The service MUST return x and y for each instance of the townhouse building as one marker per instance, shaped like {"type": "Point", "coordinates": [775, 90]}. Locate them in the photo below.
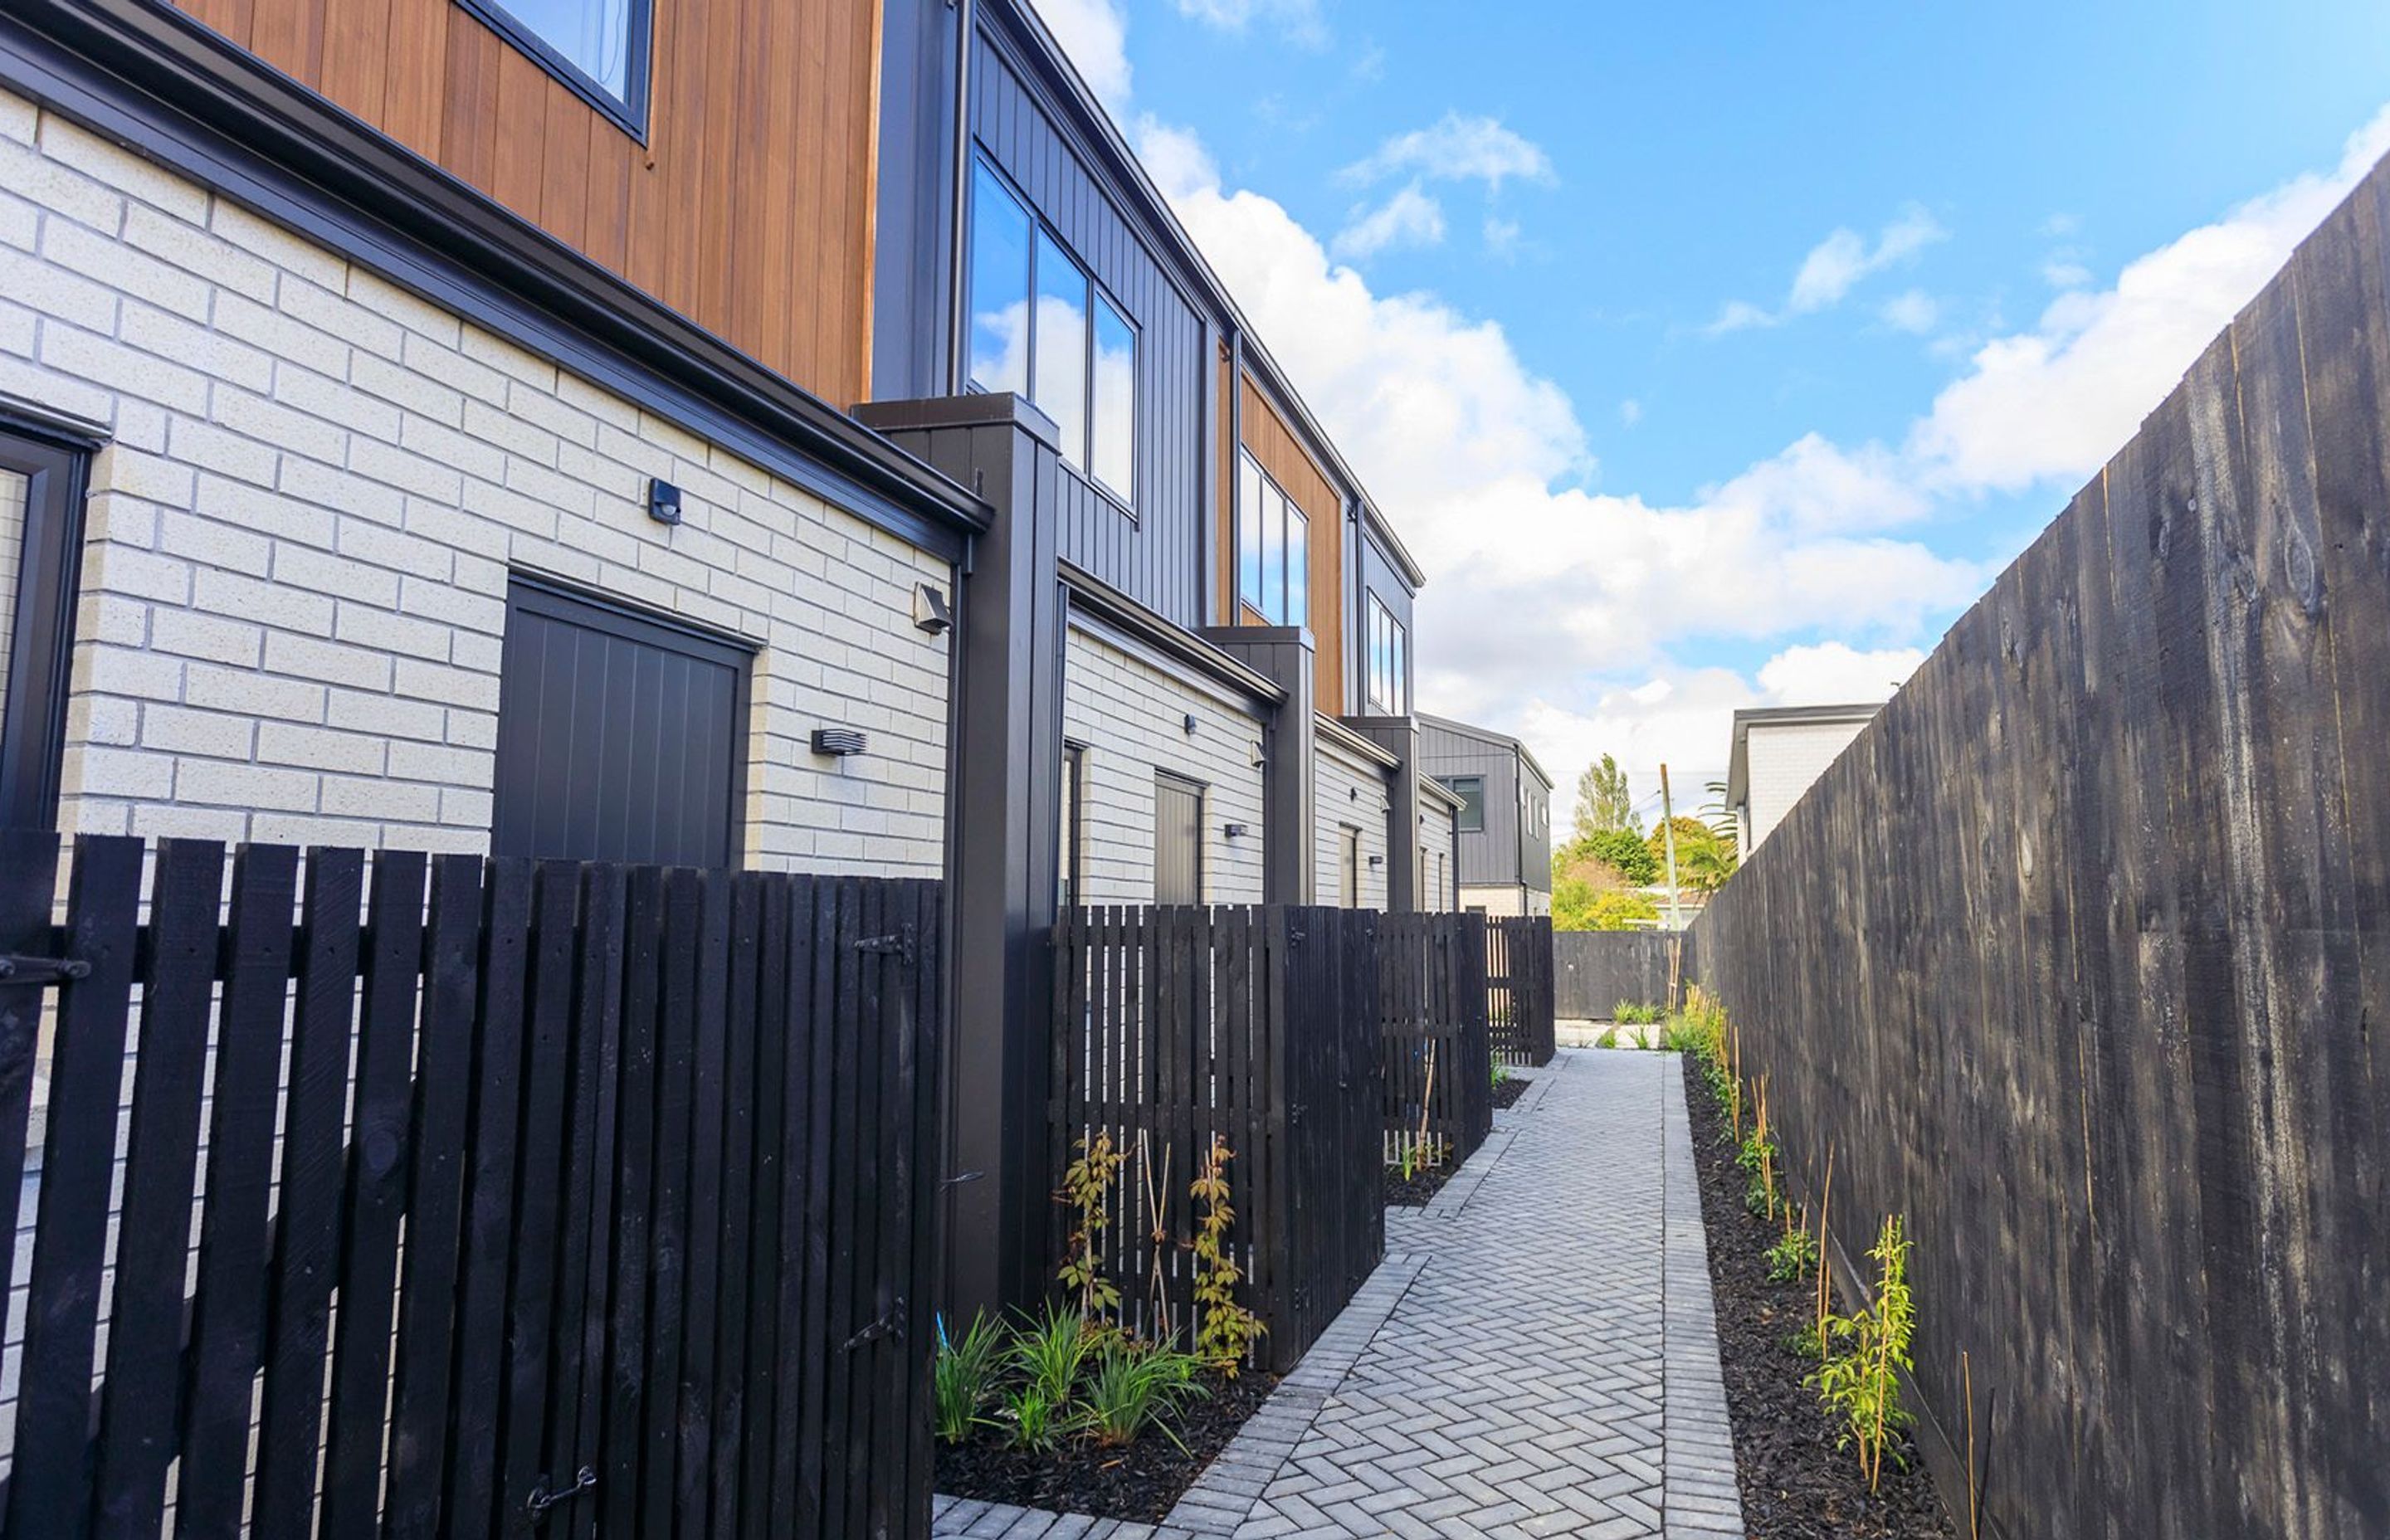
{"type": "Point", "coordinates": [1504, 819]}
{"type": "Point", "coordinates": [790, 435]}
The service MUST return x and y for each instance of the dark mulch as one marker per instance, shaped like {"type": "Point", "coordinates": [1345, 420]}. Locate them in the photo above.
{"type": "Point", "coordinates": [1424, 1184]}
{"type": "Point", "coordinates": [1510, 1090]}
{"type": "Point", "coordinates": [1797, 1485]}
{"type": "Point", "coordinates": [1140, 1482]}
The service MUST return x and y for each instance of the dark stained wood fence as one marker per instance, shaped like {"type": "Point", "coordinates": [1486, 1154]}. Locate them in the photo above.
{"type": "Point", "coordinates": [551, 1198]}
{"type": "Point", "coordinates": [1594, 971]}
{"type": "Point", "coordinates": [2080, 956]}
{"type": "Point", "coordinates": [1519, 981]}
{"type": "Point", "coordinates": [1439, 1064]}
{"type": "Point", "coordinates": [1258, 1024]}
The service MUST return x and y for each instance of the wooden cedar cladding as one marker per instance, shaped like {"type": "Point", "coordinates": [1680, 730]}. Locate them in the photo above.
{"type": "Point", "coordinates": [749, 210]}
{"type": "Point", "coordinates": [1276, 449]}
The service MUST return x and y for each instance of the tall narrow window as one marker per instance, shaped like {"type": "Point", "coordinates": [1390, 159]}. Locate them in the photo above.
{"type": "Point", "coordinates": [1057, 356]}
{"type": "Point", "coordinates": [1274, 551]}
{"type": "Point", "coordinates": [596, 49]}
{"type": "Point", "coordinates": [1388, 684]}
{"type": "Point", "coordinates": [41, 516]}
{"type": "Point", "coordinates": [999, 286]}
{"type": "Point", "coordinates": [1249, 531]}
{"type": "Point", "coordinates": [1112, 451]}
{"type": "Point", "coordinates": [1075, 769]}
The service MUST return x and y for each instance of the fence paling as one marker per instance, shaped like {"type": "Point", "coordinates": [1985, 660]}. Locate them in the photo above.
{"type": "Point", "coordinates": [653, 1141]}
{"type": "Point", "coordinates": [1438, 1102]}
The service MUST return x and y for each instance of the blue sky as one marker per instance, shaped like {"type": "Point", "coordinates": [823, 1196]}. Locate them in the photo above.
{"type": "Point", "coordinates": [1718, 355]}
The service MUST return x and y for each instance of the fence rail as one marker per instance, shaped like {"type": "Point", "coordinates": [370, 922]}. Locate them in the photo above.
{"type": "Point", "coordinates": [583, 1196]}
{"type": "Point", "coordinates": [1438, 1059]}
{"type": "Point", "coordinates": [1519, 980]}
{"type": "Point", "coordinates": [1258, 1025]}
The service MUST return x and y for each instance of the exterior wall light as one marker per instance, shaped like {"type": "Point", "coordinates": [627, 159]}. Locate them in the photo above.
{"type": "Point", "coordinates": [931, 611]}
{"type": "Point", "coordinates": [1235, 832]}
{"type": "Point", "coordinates": [1190, 724]}
{"type": "Point", "coordinates": [838, 742]}
{"type": "Point", "coordinates": [1377, 861]}
{"type": "Point", "coordinates": [663, 502]}
{"type": "Point", "coordinates": [1261, 755]}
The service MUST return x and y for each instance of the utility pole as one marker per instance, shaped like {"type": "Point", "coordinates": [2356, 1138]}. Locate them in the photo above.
{"type": "Point", "coordinates": [1668, 828]}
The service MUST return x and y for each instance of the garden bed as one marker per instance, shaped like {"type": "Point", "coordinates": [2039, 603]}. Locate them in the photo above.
{"type": "Point", "coordinates": [1140, 1482]}
{"type": "Point", "coordinates": [1413, 1192]}
{"type": "Point", "coordinates": [1795, 1484]}
{"type": "Point", "coordinates": [1508, 1091]}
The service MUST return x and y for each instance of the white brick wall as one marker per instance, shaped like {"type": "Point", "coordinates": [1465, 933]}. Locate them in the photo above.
{"type": "Point", "coordinates": [1130, 718]}
{"type": "Point", "coordinates": [1783, 762]}
{"type": "Point", "coordinates": [1499, 900]}
{"type": "Point", "coordinates": [13, 488]}
{"type": "Point", "coordinates": [1438, 878]}
{"type": "Point", "coordinates": [300, 534]}
{"type": "Point", "coordinates": [1340, 775]}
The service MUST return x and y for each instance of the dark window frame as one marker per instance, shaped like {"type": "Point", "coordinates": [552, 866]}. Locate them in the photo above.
{"type": "Point", "coordinates": [566, 603]}
{"type": "Point", "coordinates": [1071, 831]}
{"type": "Point", "coordinates": [630, 114]}
{"type": "Point", "coordinates": [1122, 498]}
{"type": "Point", "coordinates": [57, 469]}
{"type": "Point", "coordinates": [1460, 817]}
{"type": "Point", "coordinates": [1395, 701]}
{"type": "Point", "coordinates": [1291, 515]}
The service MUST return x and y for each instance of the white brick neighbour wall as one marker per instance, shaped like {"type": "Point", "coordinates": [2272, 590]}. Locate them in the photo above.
{"type": "Point", "coordinates": [1784, 761]}
{"type": "Point", "coordinates": [1130, 716]}
{"type": "Point", "coordinates": [1499, 900]}
{"type": "Point", "coordinates": [1339, 775]}
{"type": "Point", "coordinates": [300, 534]}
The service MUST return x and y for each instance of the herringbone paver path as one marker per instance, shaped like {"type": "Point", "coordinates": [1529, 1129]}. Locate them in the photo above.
{"type": "Point", "coordinates": [1536, 1357]}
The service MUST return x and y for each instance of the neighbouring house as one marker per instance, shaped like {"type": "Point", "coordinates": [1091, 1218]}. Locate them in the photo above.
{"type": "Point", "coordinates": [1506, 816]}
{"type": "Point", "coordinates": [800, 438]}
{"type": "Point", "coordinates": [1780, 751]}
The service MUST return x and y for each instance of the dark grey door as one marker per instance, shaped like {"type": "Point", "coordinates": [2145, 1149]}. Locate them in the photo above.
{"type": "Point", "coordinates": [1177, 841]}
{"type": "Point", "coordinates": [622, 736]}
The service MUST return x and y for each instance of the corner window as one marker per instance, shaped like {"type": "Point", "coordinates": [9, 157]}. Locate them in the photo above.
{"type": "Point", "coordinates": [597, 47]}
{"type": "Point", "coordinates": [1470, 789]}
{"type": "Point", "coordinates": [41, 535]}
{"type": "Point", "coordinates": [1389, 690]}
{"type": "Point", "coordinates": [1040, 328]}
{"type": "Point", "coordinates": [1273, 549]}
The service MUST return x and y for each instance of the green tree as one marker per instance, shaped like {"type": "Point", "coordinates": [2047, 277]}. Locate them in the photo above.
{"type": "Point", "coordinates": [1705, 856]}
{"type": "Point", "coordinates": [1603, 802]}
{"type": "Point", "coordinates": [1577, 906]}
{"type": "Point", "coordinates": [1623, 851]}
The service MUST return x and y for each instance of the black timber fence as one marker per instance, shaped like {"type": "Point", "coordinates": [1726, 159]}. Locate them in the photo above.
{"type": "Point", "coordinates": [1597, 971]}
{"type": "Point", "coordinates": [463, 1198]}
{"type": "Point", "coordinates": [1434, 1003]}
{"type": "Point", "coordinates": [2079, 957]}
{"type": "Point", "coordinates": [1519, 981]}
{"type": "Point", "coordinates": [1259, 1025]}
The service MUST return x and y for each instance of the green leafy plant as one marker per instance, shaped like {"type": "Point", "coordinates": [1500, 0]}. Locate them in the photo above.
{"type": "Point", "coordinates": [1501, 1073]}
{"type": "Point", "coordinates": [1086, 1189]}
{"type": "Point", "coordinates": [1047, 1353]}
{"type": "Point", "coordinates": [1225, 1331]}
{"type": "Point", "coordinates": [1859, 1383]}
{"type": "Point", "coordinates": [1636, 1013]}
{"type": "Point", "coordinates": [964, 1376]}
{"type": "Point", "coordinates": [1609, 1039]}
{"type": "Point", "coordinates": [1134, 1386]}
{"type": "Point", "coordinates": [1793, 1255]}
{"type": "Point", "coordinates": [1035, 1419]}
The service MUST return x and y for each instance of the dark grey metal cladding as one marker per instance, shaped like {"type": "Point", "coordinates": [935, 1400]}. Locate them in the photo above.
{"type": "Point", "coordinates": [1490, 856]}
{"type": "Point", "coordinates": [622, 736]}
{"type": "Point", "coordinates": [1290, 776]}
{"type": "Point", "coordinates": [911, 327]}
{"type": "Point", "coordinates": [1004, 797]}
{"type": "Point", "coordinates": [1154, 554]}
{"type": "Point", "coordinates": [1381, 575]}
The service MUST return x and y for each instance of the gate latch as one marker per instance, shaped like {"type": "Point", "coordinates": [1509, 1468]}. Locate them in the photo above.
{"type": "Point", "coordinates": [541, 1499]}
{"type": "Point", "coordinates": [900, 945]}
{"type": "Point", "coordinates": [39, 973]}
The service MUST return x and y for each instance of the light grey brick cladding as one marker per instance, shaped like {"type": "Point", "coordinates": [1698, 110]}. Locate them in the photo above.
{"type": "Point", "coordinates": [299, 533]}
{"type": "Point", "coordinates": [1352, 795]}
{"type": "Point", "coordinates": [1130, 717]}
{"type": "Point", "coordinates": [1437, 889]}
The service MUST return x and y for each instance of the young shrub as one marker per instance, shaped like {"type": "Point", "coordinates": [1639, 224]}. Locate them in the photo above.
{"type": "Point", "coordinates": [1501, 1073]}
{"type": "Point", "coordinates": [964, 1375]}
{"type": "Point", "coordinates": [1047, 1353]}
{"type": "Point", "coordinates": [1034, 1421]}
{"type": "Point", "coordinates": [1860, 1383]}
{"type": "Point", "coordinates": [1609, 1039]}
{"type": "Point", "coordinates": [1086, 1189]}
{"type": "Point", "coordinates": [1791, 1257]}
{"type": "Point", "coordinates": [1134, 1386]}
{"type": "Point", "coordinates": [1225, 1332]}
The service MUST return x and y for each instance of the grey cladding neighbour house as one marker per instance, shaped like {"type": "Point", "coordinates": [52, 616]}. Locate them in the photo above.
{"type": "Point", "coordinates": [1512, 849]}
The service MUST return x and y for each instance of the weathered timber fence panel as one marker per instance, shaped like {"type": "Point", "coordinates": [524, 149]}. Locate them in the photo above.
{"type": "Point", "coordinates": [551, 1199]}
{"type": "Point", "coordinates": [1519, 981]}
{"type": "Point", "coordinates": [2080, 956]}
{"type": "Point", "coordinates": [1597, 969]}
{"type": "Point", "coordinates": [1260, 1026]}
{"type": "Point", "coordinates": [1439, 1064]}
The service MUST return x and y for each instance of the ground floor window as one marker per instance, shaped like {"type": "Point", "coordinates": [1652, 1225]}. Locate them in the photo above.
{"type": "Point", "coordinates": [41, 535]}
{"type": "Point", "coordinates": [1177, 839]}
{"type": "Point", "coordinates": [621, 734]}
{"type": "Point", "coordinates": [1075, 769]}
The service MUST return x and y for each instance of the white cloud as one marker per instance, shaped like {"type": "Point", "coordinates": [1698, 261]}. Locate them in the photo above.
{"type": "Point", "coordinates": [1501, 238]}
{"type": "Point", "coordinates": [1831, 673]}
{"type": "Point", "coordinates": [1457, 149]}
{"type": "Point", "coordinates": [1914, 312]}
{"type": "Point", "coordinates": [1833, 267]}
{"type": "Point", "coordinates": [1298, 19]}
{"type": "Point", "coordinates": [1630, 411]}
{"type": "Point", "coordinates": [1094, 34]}
{"type": "Point", "coordinates": [1410, 218]}
{"type": "Point", "coordinates": [2062, 272]}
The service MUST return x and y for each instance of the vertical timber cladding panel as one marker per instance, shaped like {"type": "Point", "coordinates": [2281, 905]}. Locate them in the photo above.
{"type": "Point", "coordinates": [748, 207]}
{"type": "Point", "coordinates": [2075, 958]}
{"type": "Point", "coordinates": [1154, 552]}
{"type": "Point", "coordinates": [1279, 452]}
{"type": "Point", "coordinates": [1594, 970]}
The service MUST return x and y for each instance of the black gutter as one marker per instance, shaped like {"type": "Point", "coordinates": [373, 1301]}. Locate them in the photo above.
{"type": "Point", "coordinates": [175, 93]}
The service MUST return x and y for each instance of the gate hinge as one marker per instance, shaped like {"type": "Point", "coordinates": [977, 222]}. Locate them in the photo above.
{"type": "Point", "coordinates": [535, 1506]}
{"type": "Point", "coordinates": [41, 972]}
{"type": "Point", "coordinates": [891, 1324]}
{"type": "Point", "coordinates": [900, 944]}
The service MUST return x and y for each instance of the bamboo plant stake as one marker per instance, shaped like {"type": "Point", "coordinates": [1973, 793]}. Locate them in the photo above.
{"type": "Point", "coordinates": [1967, 1374]}
{"type": "Point", "coordinates": [1427, 1102]}
{"type": "Point", "coordinates": [1825, 1207]}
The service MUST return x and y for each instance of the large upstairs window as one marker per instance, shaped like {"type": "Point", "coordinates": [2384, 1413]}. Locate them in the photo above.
{"type": "Point", "coordinates": [599, 48]}
{"type": "Point", "coordinates": [1040, 328]}
{"type": "Point", "coordinates": [1273, 549]}
{"type": "Point", "coordinates": [1470, 789]}
{"type": "Point", "coordinates": [1389, 677]}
